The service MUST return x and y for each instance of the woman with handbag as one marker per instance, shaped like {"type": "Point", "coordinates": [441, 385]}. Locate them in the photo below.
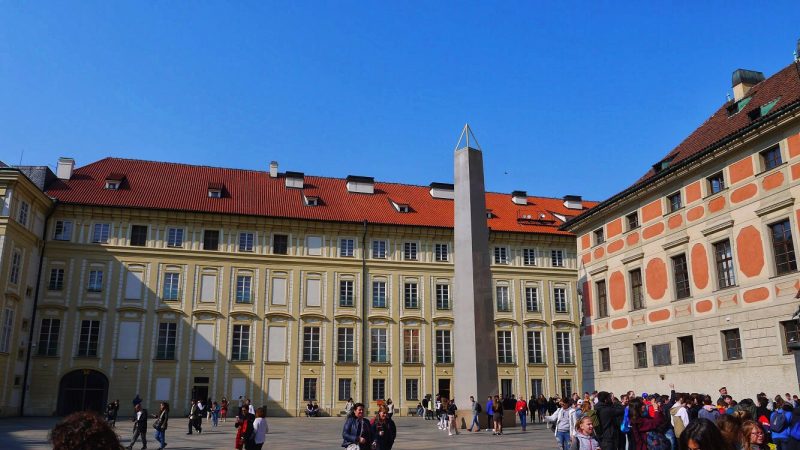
{"type": "Point", "coordinates": [384, 430]}
{"type": "Point", "coordinates": [244, 424]}
{"type": "Point", "coordinates": [161, 424]}
{"type": "Point", "coordinates": [357, 432]}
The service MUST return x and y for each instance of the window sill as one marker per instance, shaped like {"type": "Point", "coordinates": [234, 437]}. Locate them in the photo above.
{"type": "Point", "coordinates": [57, 356]}
{"type": "Point", "coordinates": [166, 360]}
{"type": "Point", "coordinates": [86, 357]}
{"type": "Point", "coordinates": [541, 364]}
{"type": "Point", "coordinates": [313, 362]}
{"type": "Point", "coordinates": [280, 363]}
{"type": "Point", "coordinates": [716, 194]}
{"type": "Point", "coordinates": [670, 213]}
{"type": "Point", "coordinates": [346, 363]}
{"type": "Point", "coordinates": [726, 288]}
{"type": "Point", "coordinates": [791, 272]}
{"type": "Point", "coordinates": [206, 361]}
{"type": "Point", "coordinates": [506, 364]}
{"type": "Point", "coordinates": [125, 359]}
{"type": "Point", "coordinates": [380, 363]}
{"type": "Point", "coordinates": [241, 361]}
{"type": "Point", "coordinates": [438, 364]}
{"type": "Point", "coordinates": [766, 171]}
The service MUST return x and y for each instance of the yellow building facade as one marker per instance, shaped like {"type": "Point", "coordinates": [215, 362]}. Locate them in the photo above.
{"type": "Point", "coordinates": [175, 303]}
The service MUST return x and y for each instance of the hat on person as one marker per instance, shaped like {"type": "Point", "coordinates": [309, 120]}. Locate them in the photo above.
{"type": "Point", "coordinates": [644, 394]}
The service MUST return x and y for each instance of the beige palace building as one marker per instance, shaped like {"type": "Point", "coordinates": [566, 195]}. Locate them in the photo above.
{"type": "Point", "coordinates": [691, 273]}
{"type": "Point", "coordinates": [175, 281]}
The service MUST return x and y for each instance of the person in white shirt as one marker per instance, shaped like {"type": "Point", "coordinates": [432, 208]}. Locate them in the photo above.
{"type": "Point", "coordinates": [260, 430]}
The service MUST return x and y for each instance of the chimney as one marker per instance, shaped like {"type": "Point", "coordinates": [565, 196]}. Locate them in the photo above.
{"type": "Point", "coordinates": [64, 168]}
{"type": "Point", "coordinates": [273, 169]}
{"type": "Point", "coordinates": [573, 202]}
{"type": "Point", "coordinates": [519, 197]}
{"type": "Point", "coordinates": [743, 80]}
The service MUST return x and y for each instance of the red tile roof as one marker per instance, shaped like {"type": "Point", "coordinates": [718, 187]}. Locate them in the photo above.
{"type": "Point", "coordinates": [171, 186]}
{"type": "Point", "coordinates": [784, 85]}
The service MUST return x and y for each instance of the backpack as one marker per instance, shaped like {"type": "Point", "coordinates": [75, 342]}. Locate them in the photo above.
{"type": "Point", "coordinates": [477, 407]}
{"type": "Point", "coordinates": [657, 441]}
{"type": "Point", "coordinates": [777, 422]}
{"type": "Point", "coordinates": [625, 426]}
{"type": "Point", "coordinates": [592, 414]}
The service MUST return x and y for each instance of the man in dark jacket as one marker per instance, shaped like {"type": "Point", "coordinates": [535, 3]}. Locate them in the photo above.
{"type": "Point", "coordinates": [609, 415]}
{"type": "Point", "coordinates": [139, 426]}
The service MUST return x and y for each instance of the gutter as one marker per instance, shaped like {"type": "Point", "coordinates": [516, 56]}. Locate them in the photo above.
{"type": "Point", "coordinates": [35, 306]}
{"type": "Point", "coordinates": [364, 363]}
{"type": "Point", "coordinates": [570, 224]}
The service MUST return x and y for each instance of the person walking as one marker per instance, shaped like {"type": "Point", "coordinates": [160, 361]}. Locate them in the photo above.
{"type": "Point", "coordinates": [215, 412]}
{"type": "Point", "coordinates": [195, 417]}
{"type": "Point", "coordinates": [139, 426]}
{"type": "Point", "coordinates": [111, 415]}
{"type": "Point", "coordinates": [348, 407]}
{"type": "Point", "coordinates": [497, 416]}
{"type": "Point", "coordinates": [390, 407]}
{"type": "Point", "coordinates": [161, 425]}
{"type": "Point", "coordinates": [260, 429]}
{"type": "Point", "coordinates": [357, 432]}
{"type": "Point", "coordinates": [476, 409]}
{"type": "Point", "coordinates": [384, 430]}
{"type": "Point", "coordinates": [244, 427]}
{"type": "Point", "coordinates": [522, 411]}
{"type": "Point", "coordinates": [223, 409]}
{"type": "Point", "coordinates": [563, 421]}
{"type": "Point", "coordinates": [452, 427]}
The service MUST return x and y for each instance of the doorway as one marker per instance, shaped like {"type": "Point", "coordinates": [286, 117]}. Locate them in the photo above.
{"type": "Point", "coordinates": [444, 387]}
{"type": "Point", "coordinates": [82, 390]}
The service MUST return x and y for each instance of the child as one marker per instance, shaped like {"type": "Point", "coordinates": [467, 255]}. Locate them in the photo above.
{"type": "Point", "coordinates": [215, 414]}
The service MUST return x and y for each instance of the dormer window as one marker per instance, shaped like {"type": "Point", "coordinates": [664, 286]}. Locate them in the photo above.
{"type": "Point", "coordinates": [294, 180]}
{"type": "Point", "coordinates": [112, 184]}
{"type": "Point", "coordinates": [114, 181]}
{"type": "Point", "coordinates": [489, 214]}
{"type": "Point", "coordinates": [215, 190]}
{"type": "Point", "coordinates": [400, 206]}
{"type": "Point", "coordinates": [311, 200]}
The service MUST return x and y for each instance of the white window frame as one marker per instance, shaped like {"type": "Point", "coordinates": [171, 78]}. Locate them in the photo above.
{"type": "Point", "coordinates": [101, 233]}
{"type": "Point", "coordinates": [347, 247]}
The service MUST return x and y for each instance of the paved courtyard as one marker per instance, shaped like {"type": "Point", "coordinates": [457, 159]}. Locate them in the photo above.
{"type": "Point", "coordinates": [290, 433]}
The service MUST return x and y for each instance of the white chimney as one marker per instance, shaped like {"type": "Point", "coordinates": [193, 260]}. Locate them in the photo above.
{"type": "Point", "coordinates": [743, 80]}
{"type": "Point", "coordinates": [64, 168]}
{"type": "Point", "coordinates": [273, 169]}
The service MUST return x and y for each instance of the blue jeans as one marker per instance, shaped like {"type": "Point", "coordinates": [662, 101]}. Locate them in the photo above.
{"type": "Point", "coordinates": [522, 419]}
{"type": "Point", "coordinates": [670, 434]}
{"type": "Point", "coordinates": [161, 437]}
{"type": "Point", "coordinates": [475, 422]}
{"type": "Point", "coordinates": [563, 439]}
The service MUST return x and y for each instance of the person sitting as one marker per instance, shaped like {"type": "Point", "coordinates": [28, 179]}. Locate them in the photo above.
{"type": "Point", "coordinates": [310, 409]}
{"type": "Point", "coordinates": [315, 410]}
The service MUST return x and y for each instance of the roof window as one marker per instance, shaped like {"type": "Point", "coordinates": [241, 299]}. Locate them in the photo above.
{"type": "Point", "coordinates": [400, 206]}
{"type": "Point", "coordinates": [294, 180]}
{"type": "Point", "coordinates": [736, 107]}
{"type": "Point", "coordinates": [442, 190]}
{"type": "Point", "coordinates": [114, 181]}
{"type": "Point", "coordinates": [763, 110]}
{"type": "Point", "coordinates": [215, 190]}
{"type": "Point", "coordinates": [519, 197]}
{"type": "Point", "coordinates": [489, 214]}
{"type": "Point", "coordinates": [311, 200]}
{"type": "Point", "coordinates": [663, 164]}
{"type": "Point", "coordinates": [360, 185]}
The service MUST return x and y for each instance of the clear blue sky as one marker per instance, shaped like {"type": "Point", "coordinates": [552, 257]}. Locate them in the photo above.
{"type": "Point", "coordinates": [564, 97]}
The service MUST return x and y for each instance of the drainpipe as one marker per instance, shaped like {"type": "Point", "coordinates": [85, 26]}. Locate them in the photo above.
{"type": "Point", "coordinates": [33, 313]}
{"type": "Point", "coordinates": [364, 337]}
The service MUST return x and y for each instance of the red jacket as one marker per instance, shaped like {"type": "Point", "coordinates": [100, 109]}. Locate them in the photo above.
{"type": "Point", "coordinates": [522, 405]}
{"type": "Point", "coordinates": [645, 424]}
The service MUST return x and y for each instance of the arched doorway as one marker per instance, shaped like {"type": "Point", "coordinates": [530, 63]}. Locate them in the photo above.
{"type": "Point", "coordinates": [82, 390]}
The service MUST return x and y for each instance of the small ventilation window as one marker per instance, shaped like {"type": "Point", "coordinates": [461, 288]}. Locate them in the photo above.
{"type": "Point", "coordinates": [736, 107]}
{"type": "Point", "coordinates": [215, 190]}
{"type": "Point", "coordinates": [114, 181]}
{"type": "Point", "coordinates": [400, 206]}
{"type": "Point", "coordinates": [663, 164]}
{"type": "Point", "coordinates": [214, 193]}
{"type": "Point", "coordinates": [112, 184]}
{"type": "Point", "coordinates": [763, 110]}
{"type": "Point", "coordinates": [311, 200]}
{"type": "Point", "coordinates": [489, 214]}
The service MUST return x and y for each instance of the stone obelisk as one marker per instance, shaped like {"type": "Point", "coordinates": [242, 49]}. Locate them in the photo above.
{"type": "Point", "coordinates": [475, 349]}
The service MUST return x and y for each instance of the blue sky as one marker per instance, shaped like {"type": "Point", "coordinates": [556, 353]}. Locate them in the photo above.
{"type": "Point", "coordinates": [564, 97]}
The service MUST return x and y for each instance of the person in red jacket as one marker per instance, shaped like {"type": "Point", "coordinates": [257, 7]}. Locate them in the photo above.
{"type": "Point", "coordinates": [522, 411]}
{"type": "Point", "coordinates": [642, 424]}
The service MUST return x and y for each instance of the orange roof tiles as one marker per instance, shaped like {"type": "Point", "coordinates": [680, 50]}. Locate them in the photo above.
{"type": "Point", "coordinates": [182, 187]}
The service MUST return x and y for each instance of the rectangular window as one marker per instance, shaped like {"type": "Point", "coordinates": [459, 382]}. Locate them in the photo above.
{"type": "Point", "coordinates": [662, 355]}
{"type": "Point", "coordinates": [532, 299]}
{"type": "Point", "coordinates": [557, 258]}
{"type": "Point", "coordinates": [89, 337]}
{"type": "Point", "coordinates": [681, 273]}
{"type": "Point", "coordinates": [314, 245]}
{"type": "Point", "coordinates": [783, 247]}
{"type": "Point", "coordinates": [63, 230]}
{"type": "Point", "coordinates": [379, 249]}
{"type": "Point", "coordinates": [724, 260]}
{"type": "Point", "coordinates": [16, 263]}
{"type": "Point", "coordinates": [412, 389]}
{"type": "Point", "coordinates": [56, 282]}
{"type": "Point", "coordinates": [95, 281]}
{"type": "Point", "coordinates": [241, 343]}
{"type": "Point", "coordinates": [48, 337]}
{"type": "Point", "coordinates": [211, 240]}
{"type": "Point", "coordinates": [599, 236]}
{"type": "Point", "coordinates": [411, 346]}
{"type": "Point", "coordinates": [500, 255]}
{"type": "Point", "coordinates": [280, 244]}
{"type": "Point", "coordinates": [379, 294]}
{"type": "Point", "coordinates": [686, 349]}
{"type": "Point", "coordinates": [564, 347]}
{"type": "Point", "coordinates": [244, 284]}
{"type": "Point", "coordinates": [505, 352]}
{"type": "Point", "coordinates": [175, 237]}
{"type": "Point", "coordinates": [640, 355]}
{"type": "Point", "coordinates": [410, 296]}
{"type": "Point", "coordinates": [602, 299]}
{"type": "Point", "coordinates": [167, 336]}
{"type": "Point", "coordinates": [506, 387]}
{"type": "Point", "coordinates": [346, 248]}
{"type": "Point", "coordinates": [246, 242]}
{"type": "Point", "coordinates": [674, 202]}
{"type": "Point", "coordinates": [378, 345]}
{"type": "Point", "coordinates": [441, 252]}
{"type": "Point", "coordinates": [503, 301]}
{"type": "Point", "coordinates": [310, 389]}
{"type": "Point", "coordinates": [8, 328]}
{"type": "Point", "coordinates": [560, 300]}
{"type": "Point", "coordinates": [378, 389]}
{"type": "Point", "coordinates": [732, 344]}
{"type": "Point", "coordinates": [537, 387]}
{"type": "Point", "coordinates": [605, 360]}
{"type": "Point", "coordinates": [771, 158]}
{"type": "Point", "coordinates": [311, 344]}
{"type": "Point", "coordinates": [171, 288]}
{"type": "Point", "coordinates": [566, 388]}
{"type": "Point", "coordinates": [410, 251]}
{"type": "Point", "coordinates": [444, 347]}
{"type": "Point", "coordinates": [443, 296]}
{"type": "Point", "coordinates": [346, 293]}
{"type": "Point", "coordinates": [345, 389]}
{"type": "Point", "coordinates": [345, 345]}
{"type": "Point", "coordinates": [138, 235]}
{"type": "Point", "coordinates": [100, 233]}
{"type": "Point", "coordinates": [637, 297]}
{"type": "Point", "coordinates": [633, 220]}
{"type": "Point", "coordinates": [791, 334]}
{"type": "Point", "coordinates": [716, 183]}
{"type": "Point", "coordinates": [535, 347]}
{"type": "Point", "coordinates": [24, 208]}
{"type": "Point", "coordinates": [529, 256]}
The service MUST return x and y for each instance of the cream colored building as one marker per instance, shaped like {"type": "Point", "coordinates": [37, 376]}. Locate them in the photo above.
{"type": "Point", "coordinates": [691, 273]}
{"type": "Point", "coordinates": [175, 281]}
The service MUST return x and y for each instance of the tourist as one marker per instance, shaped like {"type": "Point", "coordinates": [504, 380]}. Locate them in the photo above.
{"type": "Point", "coordinates": [357, 431]}
{"type": "Point", "coordinates": [490, 414]}
{"type": "Point", "coordinates": [260, 429]}
{"type": "Point", "coordinates": [532, 407]}
{"type": "Point", "coordinates": [584, 436]}
{"type": "Point", "coordinates": [223, 409]}
{"type": "Point", "coordinates": [753, 436]}
{"type": "Point", "coordinates": [244, 427]}
{"type": "Point", "coordinates": [139, 425]}
{"type": "Point", "coordinates": [780, 435]}
{"type": "Point", "coordinates": [196, 417]}
{"type": "Point", "coordinates": [111, 415]}
{"type": "Point", "coordinates": [497, 416]}
{"type": "Point", "coordinates": [452, 426]}
{"type": "Point", "coordinates": [563, 421]}
{"type": "Point", "coordinates": [348, 407]}
{"type": "Point", "coordinates": [476, 409]}
{"type": "Point", "coordinates": [85, 431]}
{"type": "Point", "coordinates": [441, 413]}
{"type": "Point", "coordinates": [541, 407]}
{"type": "Point", "coordinates": [215, 412]}
{"type": "Point", "coordinates": [730, 427]}
{"type": "Point", "coordinates": [160, 424]}
{"type": "Point", "coordinates": [384, 430]}
{"type": "Point", "coordinates": [703, 435]}
{"type": "Point", "coordinates": [425, 406]}
{"type": "Point", "coordinates": [609, 416]}
{"type": "Point", "coordinates": [390, 407]}
{"type": "Point", "coordinates": [521, 408]}
{"type": "Point", "coordinates": [645, 427]}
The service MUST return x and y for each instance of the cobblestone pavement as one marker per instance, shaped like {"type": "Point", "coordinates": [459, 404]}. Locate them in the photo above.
{"type": "Point", "coordinates": [290, 433]}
